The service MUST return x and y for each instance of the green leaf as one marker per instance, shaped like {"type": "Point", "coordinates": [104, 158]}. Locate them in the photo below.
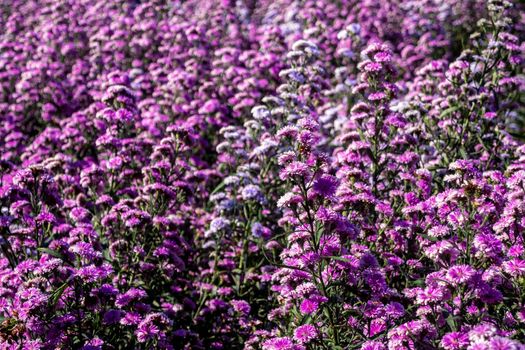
{"type": "Point", "coordinates": [419, 282]}
{"type": "Point", "coordinates": [463, 153]}
{"type": "Point", "coordinates": [218, 188]}
{"type": "Point", "coordinates": [432, 239]}
{"type": "Point", "coordinates": [57, 293]}
{"type": "Point", "coordinates": [51, 252]}
{"type": "Point", "coordinates": [448, 111]}
{"type": "Point", "coordinates": [451, 322]}
{"type": "Point", "coordinates": [338, 258]}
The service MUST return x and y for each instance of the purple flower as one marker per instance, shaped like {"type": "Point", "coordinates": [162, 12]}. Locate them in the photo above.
{"type": "Point", "coordinates": [251, 192]}
{"type": "Point", "coordinates": [373, 345]}
{"type": "Point", "coordinates": [241, 306]}
{"type": "Point", "coordinates": [79, 214]}
{"type": "Point", "coordinates": [217, 225]}
{"type": "Point", "coordinates": [438, 231]}
{"type": "Point", "coordinates": [515, 267]}
{"type": "Point", "coordinates": [258, 230]}
{"type": "Point", "coordinates": [305, 333]}
{"type": "Point", "coordinates": [376, 96]}
{"type": "Point", "coordinates": [261, 174]}
{"type": "Point", "coordinates": [209, 107]}
{"type": "Point", "coordinates": [287, 131]}
{"type": "Point", "coordinates": [372, 67]}
{"type": "Point", "coordinates": [500, 343]}
{"type": "Point", "coordinates": [283, 343]}
{"type": "Point", "coordinates": [325, 186]}
{"type": "Point", "coordinates": [487, 246]}
{"type": "Point", "coordinates": [112, 316]}
{"type": "Point", "coordinates": [455, 341]}
{"type": "Point", "coordinates": [288, 199]}
{"type": "Point", "coordinates": [294, 169]}
{"type": "Point", "coordinates": [146, 331]}
{"type": "Point", "coordinates": [94, 344]}
{"type": "Point", "coordinates": [308, 306]}
{"type": "Point", "coordinates": [460, 274]}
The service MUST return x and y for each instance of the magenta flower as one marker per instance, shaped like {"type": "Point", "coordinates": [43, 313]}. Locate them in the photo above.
{"type": "Point", "coordinates": [308, 306]}
{"type": "Point", "coordinates": [294, 169]}
{"type": "Point", "coordinates": [282, 343]}
{"type": "Point", "coordinates": [455, 341]}
{"type": "Point", "coordinates": [305, 333]}
{"type": "Point", "coordinates": [460, 274]}
{"type": "Point", "coordinates": [297, 175]}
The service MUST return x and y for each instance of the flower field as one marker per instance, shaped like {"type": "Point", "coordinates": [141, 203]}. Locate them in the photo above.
{"type": "Point", "coordinates": [262, 174]}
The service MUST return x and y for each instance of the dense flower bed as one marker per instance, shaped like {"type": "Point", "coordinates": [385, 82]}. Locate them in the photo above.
{"type": "Point", "coordinates": [277, 175]}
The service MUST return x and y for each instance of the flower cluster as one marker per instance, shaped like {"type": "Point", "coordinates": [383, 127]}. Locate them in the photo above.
{"type": "Point", "coordinates": [262, 175]}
